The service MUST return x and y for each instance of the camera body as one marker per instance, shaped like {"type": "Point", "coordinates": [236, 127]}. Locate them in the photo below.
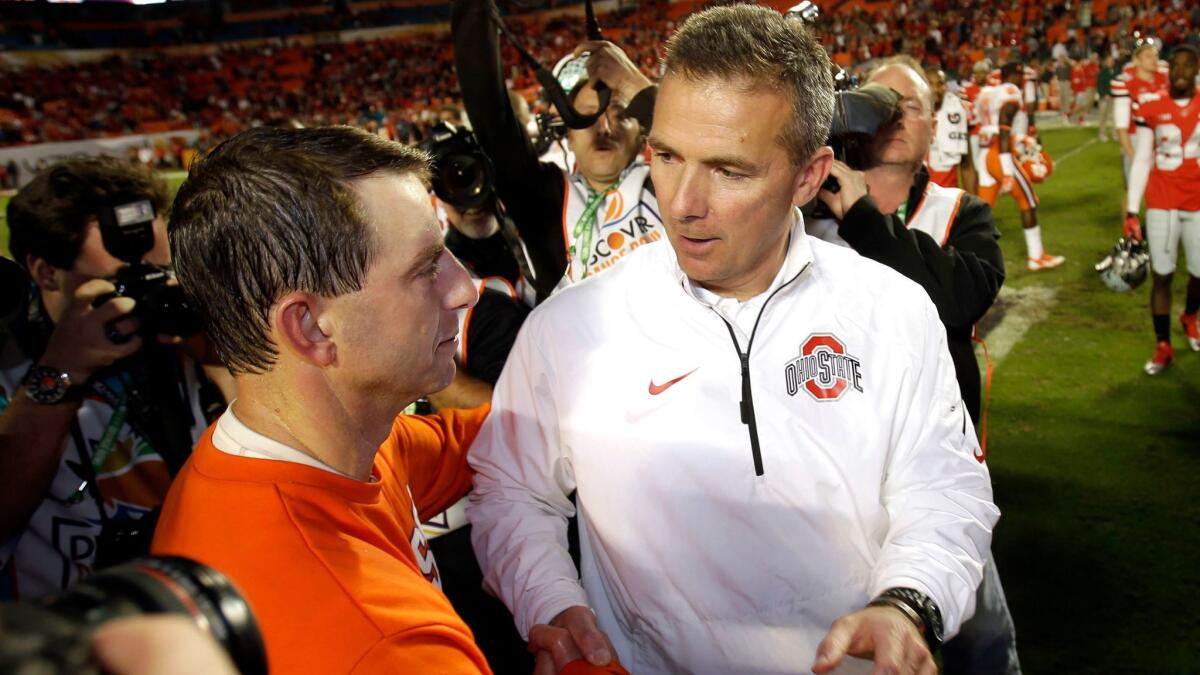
{"type": "Point", "coordinates": [551, 129]}
{"type": "Point", "coordinates": [463, 176]}
{"type": "Point", "coordinates": [127, 231]}
{"type": "Point", "coordinates": [859, 116]}
{"type": "Point", "coordinates": [161, 309]}
{"type": "Point", "coordinates": [54, 636]}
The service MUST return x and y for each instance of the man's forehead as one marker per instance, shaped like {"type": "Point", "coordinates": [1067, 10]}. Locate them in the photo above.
{"type": "Point", "coordinates": [1183, 58]}
{"type": "Point", "coordinates": [910, 83]}
{"type": "Point", "coordinates": [711, 100]}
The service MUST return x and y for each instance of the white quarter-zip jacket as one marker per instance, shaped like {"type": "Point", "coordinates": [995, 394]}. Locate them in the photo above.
{"type": "Point", "coordinates": [630, 388]}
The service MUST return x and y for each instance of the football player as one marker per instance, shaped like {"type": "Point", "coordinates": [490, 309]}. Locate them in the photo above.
{"type": "Point", "coordinates": [1166, 167]}
{"type": "Point", "coordinates": [1000, 110]}
{"type": "Point", "coordinates": [1144, 74]}
{"type": "Point", "coordinates": [970, 92]}
{"type": "Point", "coordinates": [948, 151]}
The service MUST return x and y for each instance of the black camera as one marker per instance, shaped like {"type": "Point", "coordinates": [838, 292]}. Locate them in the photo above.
{"type": "Point", "coordinates": [551, 130]}
{"type": "Point", "coordinates": [859, 116]}
{"type": "Point", "coordinates": [127, 230]}
{"type": "Point", "coordinates": [463, 176]}
{"type": "Point", "coordinates": [54, 636]}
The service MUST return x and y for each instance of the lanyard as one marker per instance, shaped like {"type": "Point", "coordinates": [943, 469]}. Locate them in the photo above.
{"type": "Point", "coordinates": [108, 440]}
{"type": "Point", "coordinates": [586, 225]}
{"type": "Point", "coordinates": [902, 212]}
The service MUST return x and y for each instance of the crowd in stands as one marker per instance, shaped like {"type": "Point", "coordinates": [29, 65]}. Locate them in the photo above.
{"type": "Point", "coordinates": [956, 34]}
{"type": "Point", "coordinates": [401, 86]}
{"type": "Point", "coordinates": [397, 84]}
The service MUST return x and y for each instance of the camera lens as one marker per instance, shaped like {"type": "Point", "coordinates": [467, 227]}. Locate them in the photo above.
{"type": "Point", "coordinates": [171, 585]}
{"type": "Point", "coordinates": [464, 180]}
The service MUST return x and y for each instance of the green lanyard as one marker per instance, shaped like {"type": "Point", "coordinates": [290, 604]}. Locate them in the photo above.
{"type": "Point", "coordinates": [902, 212]}
{"type": "Point", "coordinates": [586, 225]}
{"type": "Point", "coordinates": [109, 439]}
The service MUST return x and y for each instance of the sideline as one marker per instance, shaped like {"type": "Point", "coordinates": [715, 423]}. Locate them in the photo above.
{"type": "Point", "coordinates": [1022, 307]}
{"type": "Point", "coordinates": [1075, 151]}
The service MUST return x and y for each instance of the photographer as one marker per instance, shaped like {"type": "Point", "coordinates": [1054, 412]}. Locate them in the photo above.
{"type": "Point", "coordinates": [945, 240]}
{"type": "Point", "coordinates": [88, 443]}
{"type": "Point", "coordinates": [463, 182]}
{"type": "Point", "coordinates": [942, 238]}
{"type": "Point", "coordinates": [574, 224]}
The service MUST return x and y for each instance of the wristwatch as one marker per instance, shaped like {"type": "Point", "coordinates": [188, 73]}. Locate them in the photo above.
{"type": "Point", "coordinates": [48, 385]}
{"type": "Point", "coordinates": [919, 608]}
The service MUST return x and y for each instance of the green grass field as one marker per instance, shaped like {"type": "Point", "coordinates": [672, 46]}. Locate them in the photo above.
{"type": "Point", "coordinates": [1096, 466]}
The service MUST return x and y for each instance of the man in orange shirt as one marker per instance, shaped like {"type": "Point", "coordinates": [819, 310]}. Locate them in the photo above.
{"type": "Point", "coordinates": [316, 260]}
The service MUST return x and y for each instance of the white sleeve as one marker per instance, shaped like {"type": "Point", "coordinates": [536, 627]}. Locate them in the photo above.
{"type": "Point", "coordinates": [1121, 108]}
{"type": "Point", "coordinates": [937, 490]}
{"type": "Point", "coordinates": [1139, 168]}
{"type": "Point", "coordinates": [519, 506]}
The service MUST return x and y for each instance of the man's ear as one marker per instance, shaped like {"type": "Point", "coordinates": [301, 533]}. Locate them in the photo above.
{"type": "Point", "coordinates": [296, 318]}
{"type": "Point", "coordinates": [809, 180]}
{"type": "Point", "coordinates": [44, 274]}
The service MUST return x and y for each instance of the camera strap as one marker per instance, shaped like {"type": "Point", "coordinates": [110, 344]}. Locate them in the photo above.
{"type": "Point", "coordinates": [108, 440]}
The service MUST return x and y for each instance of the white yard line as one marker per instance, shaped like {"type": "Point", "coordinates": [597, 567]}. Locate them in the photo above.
{"type": "Point", "coordinates": [1076, 150]}
{"type": "Point", "coordinates": [1026, 307]}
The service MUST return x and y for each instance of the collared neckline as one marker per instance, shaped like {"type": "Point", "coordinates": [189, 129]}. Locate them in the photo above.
{"type": "Point", "coordinates": [799, 255]}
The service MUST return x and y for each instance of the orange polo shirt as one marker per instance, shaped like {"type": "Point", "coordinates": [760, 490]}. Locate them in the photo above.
{"type": "Point", "coordinates": [337, 571]}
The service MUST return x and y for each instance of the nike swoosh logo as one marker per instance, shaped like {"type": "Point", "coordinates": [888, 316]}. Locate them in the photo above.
{"type": "Point", "coordinates": [656, 389]}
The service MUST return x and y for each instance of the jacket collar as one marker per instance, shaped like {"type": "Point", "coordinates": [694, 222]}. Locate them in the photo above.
{"type": "Point", "coordinates": [799, 255]}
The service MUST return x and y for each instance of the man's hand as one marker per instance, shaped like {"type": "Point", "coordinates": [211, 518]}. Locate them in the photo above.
{"type": "Point", "coordinates": [570, 636]}
{"type": "Point", "coordinates": [609, 64]}
{"type": "Point", "coordinates": [882, 634]}
{"type": "Point", "coordinates": [1133, 227]}
{"type": "Point", "coordinates": [82, 340]}
{"type": "Point", "coordinates": [144, 645]}
{"type": "Point", "coordinates": [854, 188]}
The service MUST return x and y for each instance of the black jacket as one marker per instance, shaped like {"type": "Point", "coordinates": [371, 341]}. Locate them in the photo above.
{"type": "Point", "coordinates": [962, 278]}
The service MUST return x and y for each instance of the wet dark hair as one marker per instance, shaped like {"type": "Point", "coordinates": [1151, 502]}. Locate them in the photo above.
{"type": "Point", "coordinates": [271, 211]}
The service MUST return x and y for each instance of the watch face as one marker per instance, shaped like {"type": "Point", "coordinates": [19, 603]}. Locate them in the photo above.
{"type": "Point", "coordinates": [46, 385]}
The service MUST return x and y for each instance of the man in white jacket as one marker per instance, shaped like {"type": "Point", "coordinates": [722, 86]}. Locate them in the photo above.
{"type": "Point", "coordinates": [774, 466]}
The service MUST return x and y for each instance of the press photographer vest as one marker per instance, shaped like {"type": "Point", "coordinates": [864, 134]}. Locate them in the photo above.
{"type": "Point", "coordinates": [933, 215]}
{"type": "Point", "coordinates": [626, 217]}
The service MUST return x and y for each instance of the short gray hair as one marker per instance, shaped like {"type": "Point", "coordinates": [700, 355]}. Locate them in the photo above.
{"type": "Point", "coordinates": [758, 45]}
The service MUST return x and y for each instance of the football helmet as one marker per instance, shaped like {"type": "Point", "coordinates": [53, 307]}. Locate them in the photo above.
{"type": "Point", "coordinates": [1126, 266]}
{"type": "Point", "coordinates": [1029, 154]}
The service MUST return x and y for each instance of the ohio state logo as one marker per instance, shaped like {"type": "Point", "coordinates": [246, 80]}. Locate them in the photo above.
{"type": "Point", "coordinates": [823, 369]}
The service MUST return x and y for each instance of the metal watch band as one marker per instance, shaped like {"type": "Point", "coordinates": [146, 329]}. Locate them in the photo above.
{"type": "Point", "coordinates": [929, 617]}
{"type": "Point", "coordinates": [886, 601]}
